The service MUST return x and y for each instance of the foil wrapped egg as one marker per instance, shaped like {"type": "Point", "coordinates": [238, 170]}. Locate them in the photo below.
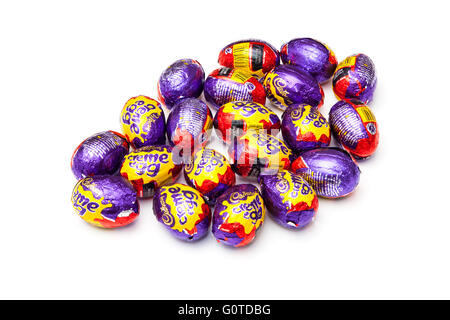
{"type": "Point", "coordinates": [105, 201]}
{"type": "Point", "coordinates": [234, 119]}
{"type": "Point", "coordinates": [224, 85]}
{"type": "Point", "coordinates": [182, 79]}
{"type": "Point", "coordinates": [149, 168]}
{"type": "Point", "coordinates": [100, 154]}
{"type": "Point", "coordinates": [289, 199]}
{"type": "Point", "coordinates": [189, 126]}
{"type": "Point", "coordinates": [303, 128]}
{"type": "Point", "coordinates": [254, 57]}
{"type": "Point", "coordinates": [239, 213]}
{"type": "Point", "coordinates": [183, 211]}
{"type": "Point", "coordinates": [143, 122]}
{"type": "Point", "coordinates": [355, 127]}
{"type": "Point", "coordinates": [331, 172]}
{"type": "Point", "coordinates": [210, 173]}
{"type": "Point", "coordinates": [355, 78]}
{"type": "Point", "coordinates": [310, 56]}
{"type": "Point", "coordinates": [257, 153]}
{"type": "Point", "coordinates": [286, 85]}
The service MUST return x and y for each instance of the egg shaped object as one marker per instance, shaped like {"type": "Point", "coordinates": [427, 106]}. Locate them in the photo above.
{"type": "Point", "coordinates": [355, 78]}
{"type": "Point", "coordinates": [100, 154]}
{"type": "Point", "coordinates": [105, 201]}
{"type": "Point", "coordinates": [150, 167]}
{"type": "Point", "coordinates": [289, 199]}
{"type": "Point", "coordinates": [234, 119]}
{"type": "Point", "coordinates": [183, 211]}
{"type": "Point", "coordinates": [239, 213]}
{"type": "Point", "coordinates": [182, 79]}
{"type": "Point", "coordinates": [143, 122]}
{"type": "Point", "coordinates": [331, 172]}
{"type": "Point", "coordinates": [355, 127]}
{"type": "Point", "coordinates": [258, 153]}
{"type": "Point", "coordinates": [254, 57]}
{"type": "Point", "coordinates": [286, 85]}
{"type": "Point", "coordinates": [303, 128]}
{"type": "Point", "coordinates": [189, 125]}
{"type": "Point", "coordinates": [210, 173]}
{"type": "Point", "coordinates": [224, 85]}
{"type": "Point", "coordinates": [310, 56]}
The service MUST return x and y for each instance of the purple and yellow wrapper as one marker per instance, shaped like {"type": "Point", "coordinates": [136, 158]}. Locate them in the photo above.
{"type": "Point", "coordinates": [331, 172]}
{"type": "Point", "coordinates": [355, 78]}
{"type": "Point", "coordinates": [224, 85]}
{"type": "Point", "coordinates": [257, 153]}
{"type": "Point", "coordinates": [311, 56]}
{"type": "Point", "coordinates": [239, 213]}
{"type": "Point", "coordinates": [182, 79]}
{"type": "Point", "coordinates": [100, 154]}
{"type": "Point", "coordinates": [254, 57]}
{"type": "Point", "coordinates": [290, 200]}
{"type": "Point", "coordinates": [355, 127]}
{"type": "Point", "coordinates": [143, 122]}
{"type": "Point", "coordinates": [210, 173]}
{"type": "Point", "coordinates": [183, 211]}
{"type": "Point", "coordinates": [303, 128]}
{"type": "Point", "coordinates": [286, 85]}
{"type": "Point", "coordinates": [150, 167]}
{"type": "Point", "coordinates": [234, 119]}
{"type": "Point", "coordinates": [105, 201]}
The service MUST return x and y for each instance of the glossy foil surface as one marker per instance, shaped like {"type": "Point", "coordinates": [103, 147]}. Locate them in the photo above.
{"type": "Point", "coordinates": [238, 214]}
{"type": "Point", "coordinates": [289, 198]}
{"type": "Point", "coordinates": [286, 85]}
{"type": "Point", "coordinates": [310, 56]}
{"type": "Point", "coordinates": [183, 211]}
{"type": "Point", "coordinates": [105, 201]}
{"type": "Point", "coordinates": [331, 172]}
{"type": "Point", "coordinates": [183, 79]}
{"type": "Point", "coordinates": [100, 154]}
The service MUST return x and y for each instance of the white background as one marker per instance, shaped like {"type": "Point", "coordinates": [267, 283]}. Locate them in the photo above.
{"type": "Point", "coordinates": [67, 68]}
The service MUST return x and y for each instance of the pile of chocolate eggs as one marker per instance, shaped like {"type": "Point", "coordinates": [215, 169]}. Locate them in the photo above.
{"type": "Point", "coordinates": [292, 168]}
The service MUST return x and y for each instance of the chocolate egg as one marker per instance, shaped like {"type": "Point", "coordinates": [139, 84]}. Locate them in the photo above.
{"type": "Point", "coordinates": [331, 172]}
{"type": "Point", "coordinates": [105, 201]}
{"type": "Point", "coordinates": [183, 211]}
{"type": "Point", "coordinates": [311, 56]}
{"type": "Point", "coordinates": [355, 127]}
{"type": "Point", "coordinates": [233, 119]}
{"type": "Point", "coordinates": [255, 57]}
{"type": "Point", "coordinates": [224, 85]}
{"type": "Point", "coordinates": [289, 198]}
{"type": "Point", "coordinates": [355, 78]}
{"type": "Point", "coordinates": [257, 153]}
{"type": "Point", "coordinates": [143, 122]}
{"type": "Point", "coordinates": [150, 167]}
{"type": "Point", "coordinates": [238, 215]}
{"type": "Point", "coordinates": [210, 173]}
{"type": "Point", "coordinates": [182, 79]}
{"type": "Point", "coordinates": [189, 125]}
{"type": "Point", "coordinates": [286, 85]}
{"type": "Point", "coordinates": [303, 128]}
{"type": "Point", "coordinates": [100, 154]}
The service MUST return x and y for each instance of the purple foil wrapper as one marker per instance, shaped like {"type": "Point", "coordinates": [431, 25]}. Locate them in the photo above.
{"type": "Point", "coordinates": [290, 200]}
{"type": "Point", "coordinates": [311, 56]}
{"type": "Point", "coordinates": [286, 85]}
{"type": "Point", "coordinates": [331, 172]}
{"type": "Point", "coordinates": [105, 201]}
{"type": "Point", "coordinates": [238, 215]}
{"type": "Point", "coordinates": [355, 78]}
{"type": "Point", "coordinates": [183, 79]}
{"type": "Point", "coordinates": [100, 154]}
